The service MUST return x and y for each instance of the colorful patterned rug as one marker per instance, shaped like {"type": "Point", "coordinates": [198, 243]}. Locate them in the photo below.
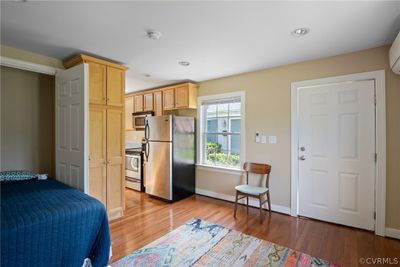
{"type": "Point", "coordinates": [200, 243]}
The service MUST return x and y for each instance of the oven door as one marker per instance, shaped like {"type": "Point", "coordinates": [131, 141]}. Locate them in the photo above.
{"type": "Point", "coordinates": [133, 166]}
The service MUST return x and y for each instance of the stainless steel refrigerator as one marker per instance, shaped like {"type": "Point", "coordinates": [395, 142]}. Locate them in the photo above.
{"type": "Point", "coordinates": [170, 157]}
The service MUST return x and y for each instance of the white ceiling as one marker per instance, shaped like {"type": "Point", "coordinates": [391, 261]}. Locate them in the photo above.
{"type": "Point", "coordinates": [217, 38]}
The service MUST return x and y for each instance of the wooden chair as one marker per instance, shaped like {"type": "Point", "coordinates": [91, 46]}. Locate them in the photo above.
{"type": "Point", "coordinates": [246, 190]}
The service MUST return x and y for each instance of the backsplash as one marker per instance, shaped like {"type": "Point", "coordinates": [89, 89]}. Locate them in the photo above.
{"type": "Point", "coordinates": [133, 136]}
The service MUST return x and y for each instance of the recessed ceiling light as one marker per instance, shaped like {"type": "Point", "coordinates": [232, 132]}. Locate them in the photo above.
{"type": "Point", "coordinates": [300, 32]}
{"type": "Point", "coordinates": [184, 63]}
{"type": "Point", "coordinates": [153, 35]}
{"type": "Point", "coordinates": [147, 75]}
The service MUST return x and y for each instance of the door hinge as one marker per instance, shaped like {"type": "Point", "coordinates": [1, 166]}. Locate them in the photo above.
{"type": "Point", "coordinates": [375, 100]}
{"type": "Point", "coordinates": [374, 215]}
{"type": "Point", "coordinates": [376, 157]}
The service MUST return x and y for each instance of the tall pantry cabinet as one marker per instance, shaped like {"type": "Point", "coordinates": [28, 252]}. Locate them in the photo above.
{"type": "Point", "coordinates": [106, 131]}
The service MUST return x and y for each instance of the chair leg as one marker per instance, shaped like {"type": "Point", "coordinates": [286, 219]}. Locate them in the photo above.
{"type": "Point", "coordinates": [269, 201]}
{"type": "Point", "coordinates": [247, 204]}
{"type": "Point", "coordinates": [259, 198]}
{"type": "Point", "coordinates": [236, 201]}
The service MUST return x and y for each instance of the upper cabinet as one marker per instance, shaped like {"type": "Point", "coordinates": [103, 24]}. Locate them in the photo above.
{"type": "Point", "coordinates": [98, 83]}
{"type": "Point", "coordinates": [138, 103]}
{"type": "Point", "coordinates": [169, 98]}
{"type": "Point", "coordinates": [180, 96]}
{"type": "Point", "coordinates": [148, 102]}
{"type": "Point", "coordinates": [115, 86]}
{"type": "Point", "coordinates": [128, 113]}
{"type": "Point", "coordinates": [158, 103]}
{"type": "Point", "coordinates": [106, 80]}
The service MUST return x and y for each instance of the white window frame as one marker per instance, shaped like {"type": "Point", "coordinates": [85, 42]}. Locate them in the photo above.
{"type": "Point", "coordinates": [200, 127]}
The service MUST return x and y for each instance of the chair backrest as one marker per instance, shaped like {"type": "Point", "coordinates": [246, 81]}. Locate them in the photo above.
{"type": "Point", "coordinates": [257, 168]}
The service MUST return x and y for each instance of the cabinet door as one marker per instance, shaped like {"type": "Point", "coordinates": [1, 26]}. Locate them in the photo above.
{"type": "Point", "coordinates": [128, 112]}
{"type": "Point", "coordinates": [182, 96]}
{"type": "Point", "coordinates": [97, 84]}
{"type": "Point", "coordinates": [115, 87]}
{"type": "Point", "coordinates": [97, 153]}
{"type": "Point", "coordinates": [169, 99]}
{"type": "Point", "coordinates": [158, 106]}
{"type": "Point", "coordinates": [148, 102]}
{"type": "Point", "coordinates": [115, 163]}
{"type": "Point", "coordinates": [138, 103]}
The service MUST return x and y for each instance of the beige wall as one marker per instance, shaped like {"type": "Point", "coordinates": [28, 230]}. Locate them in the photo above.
{"type": "Point", "coordinates": [27, 121]}
{"type": "Point", "coordinates": [268, 111]}
{"type": "Point", "coordinates": [19, 54]}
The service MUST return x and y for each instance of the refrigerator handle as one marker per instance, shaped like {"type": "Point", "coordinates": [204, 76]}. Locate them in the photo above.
{"type": "Point", "coordinates": [147, 150]}
{"type": "Point", "coordinates": [147, 131]}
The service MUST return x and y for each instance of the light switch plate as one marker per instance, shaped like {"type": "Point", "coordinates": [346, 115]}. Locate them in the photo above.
{"type": "Point", "coordinates": [258, 138]}
{"type": "Point", "coordinates": [263, 139]}
{"type": "Point", "coordinates": [272, 139]}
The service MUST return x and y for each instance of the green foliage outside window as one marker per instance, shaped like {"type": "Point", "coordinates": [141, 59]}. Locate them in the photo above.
{"type": "Point", "coordinates": [217, 157]}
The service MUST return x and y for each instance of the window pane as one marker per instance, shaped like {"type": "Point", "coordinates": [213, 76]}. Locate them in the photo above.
{"type": "Point", "coordinates": [212, 126]}
{"type": "Point", "coordinates": [211, 111]}
{"type": "Point", "coordinates": [234, 109]}
{"type": "Point", "coordinates": [218, 152]}
{"type": "Point", "coordinates": [222, 110]}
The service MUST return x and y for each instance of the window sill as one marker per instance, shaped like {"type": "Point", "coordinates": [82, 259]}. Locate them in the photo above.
{"type": "Point", "coordinates": [227, 170]}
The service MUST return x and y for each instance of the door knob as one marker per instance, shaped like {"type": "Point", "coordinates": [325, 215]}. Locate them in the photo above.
{"type": "Point", "coordinates": [302, 158]}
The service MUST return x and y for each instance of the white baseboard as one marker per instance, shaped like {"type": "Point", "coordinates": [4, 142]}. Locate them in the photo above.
{"type": "Point", "coordinates": [394, 233]}
{"type": "Point", "coordinates": [252, 202]}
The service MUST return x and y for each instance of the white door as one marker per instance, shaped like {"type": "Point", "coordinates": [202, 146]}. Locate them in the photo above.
{"type": "Point", "coordinates": [71, 127]}
{"type": "Point", "coordinates": [337, 153]}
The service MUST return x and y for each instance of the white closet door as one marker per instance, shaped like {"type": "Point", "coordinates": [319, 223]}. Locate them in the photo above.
{"type": "Point", "coordinates": [71, 126]}
{"type": "Point", "coordinates": [337, 153]}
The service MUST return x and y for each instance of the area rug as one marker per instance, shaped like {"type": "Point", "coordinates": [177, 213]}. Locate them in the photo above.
{"type": "Point", "coordinates": [200, 243]}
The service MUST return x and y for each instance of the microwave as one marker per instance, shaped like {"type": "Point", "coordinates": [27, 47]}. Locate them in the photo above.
{"type": "Point", "coordinates": [139, 119]}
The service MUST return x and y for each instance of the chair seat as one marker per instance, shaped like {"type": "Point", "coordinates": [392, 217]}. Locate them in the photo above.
{"type": "Point", "coordinates": [251, 189]}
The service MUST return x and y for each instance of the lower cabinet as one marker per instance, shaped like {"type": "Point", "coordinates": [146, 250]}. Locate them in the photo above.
{"type": "Point", "coordinates": [106, 158]}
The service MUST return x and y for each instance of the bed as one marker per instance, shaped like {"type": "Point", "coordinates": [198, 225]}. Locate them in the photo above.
{"type": "Point", "coordinates": [47, 223]}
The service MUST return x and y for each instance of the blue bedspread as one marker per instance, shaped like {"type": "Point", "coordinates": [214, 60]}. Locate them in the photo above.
{"type": "Point", "coordinates": [47, 223]}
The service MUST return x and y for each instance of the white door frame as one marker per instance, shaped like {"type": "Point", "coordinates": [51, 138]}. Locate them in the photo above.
{"type": "Point", "coordinates": [380, 135]}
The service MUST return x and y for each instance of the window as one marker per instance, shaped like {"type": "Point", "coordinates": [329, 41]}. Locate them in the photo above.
{"type": "Point", "coordinates": [221, 134]}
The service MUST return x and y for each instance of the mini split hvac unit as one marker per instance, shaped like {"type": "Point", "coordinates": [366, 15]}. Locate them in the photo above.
{"type": "Point", "coordinates": [394, 55]}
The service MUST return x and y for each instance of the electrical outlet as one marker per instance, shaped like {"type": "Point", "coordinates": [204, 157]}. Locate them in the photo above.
{"type": "Point", "coordinates": [272, 139]}
{"type": "Point", "coordinates": [263, 139]}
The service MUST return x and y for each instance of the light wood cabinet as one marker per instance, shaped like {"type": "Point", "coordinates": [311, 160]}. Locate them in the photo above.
{"type": "Point", "coordinates": [115, 87]}
{"type": "Point", "coordinates": [128, 113]}
{"type": "Point", "coordinates": [97, 152]}
{"type": "Point", "coordinates": [148, 102]}
{"type": "Point", "coordinates": [107, 119]}
{"type": "Point", "coordinates": [97, 83]}
{"type": "Point", "coordinates": [158, 104]}
{"type": "Point", "coordinates": [138, 103]}
{"type": "Point", "coordinates": [115, 162]}
{"type": "Point", "coordinates": [169, 98]}
{"type": "Point", "coordinates": [180, 96]}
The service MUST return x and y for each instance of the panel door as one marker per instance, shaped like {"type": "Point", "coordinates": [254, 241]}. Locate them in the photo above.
{"type": "Point", "coordinates": [158, 105]}
{"type": "Point", "coordinates": [115, 87]}
{"type": "Point", "coordinates": [97, 153]}
{"type": "Point", "coordinates": [128, 113]}
{"type": "Point", "coordinates": [115, 162]}
{"type": "Point", "coordinates": [169, 99]}
{"type": "Point", "coordinates": [148, 102]}
{"type": "Point", "coordinates": [138, 103]}
{"type": "Point", "coordinates": [97, 84]}
{"type": "Point", "coordinates": [182, 96]}
{"type": "Point", "coordinates": [71, 130]}
{"type": "Point", "coordinates": [337, 153]}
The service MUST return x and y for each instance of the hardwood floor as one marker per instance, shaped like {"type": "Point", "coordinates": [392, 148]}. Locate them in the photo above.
{"type": "Point", "coordinates": [146, 219]}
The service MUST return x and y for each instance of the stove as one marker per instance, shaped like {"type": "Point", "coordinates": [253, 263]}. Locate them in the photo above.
{"type": "Point", "coordinates": [134, 168]}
